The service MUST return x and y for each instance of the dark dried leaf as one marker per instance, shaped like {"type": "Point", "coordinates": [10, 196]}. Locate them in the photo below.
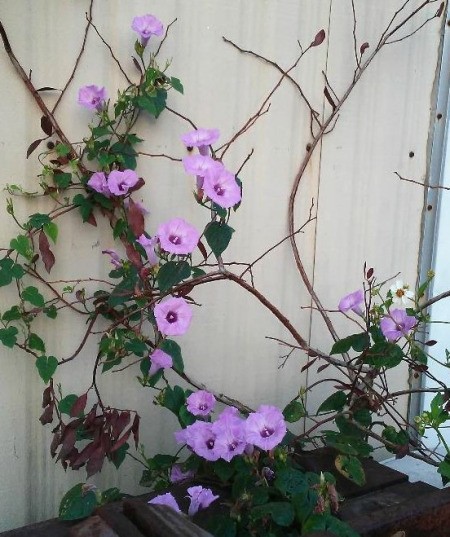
{"type": "Point", "coordinates": [121, 442]}
{"type": "Point", "coordinates": [47, 415]}
{"type": "Point", "coordinates": [440, 10]}
{"type": "Point", "coordinates": [318, 40]}
{"type": "Point", "coordinates": [46, 125]}
{"type": "Point", "coordinates": [55, 443]}
{"type": "Point", "coordinates": [121, 423]}
{"type": "Point", "coordinates": [91, 220]}
{"type": "Point", "coordinates": [322, 367]}
{"type": "Point", "coordinates": [185, 290]}
{"type": "Point", "coordinates": [363, 48]}
{"type": "Point", "coordinates": [308, 365]}
{"type": "Point", "coordinates": [68, 442]}
{"type": "Point", "coordinates": [431, 343]}
{"type": "Point", "coordinates": [84, 455]}
{"type": "Point", "coordinates": [47, 88]}
{"type": "Point", "coordinates": [202, 249]}
{"type": "Point", "coordinates": [47, 255]}
{"type": "Point", "coordinates": [33, 146]}
{"type": "Point", "coordinates": [47, 396]}
{"type": "Point", "coordinates": [136, 64]}
{"type": "Point", "coordinates": [369, 273]}
{"type": "Point", "coordinates": [135, 430]}
{"type": "Point", "coordinates": [95, 463]}
{"type": "Point", "coordinates": [78, 406]}
{"type": "Point", "coordinates": [329, 98]}
{"type": "Point", "coordinates": [138, 185]}
{"type": "Point", "coordinates": [135, 219]}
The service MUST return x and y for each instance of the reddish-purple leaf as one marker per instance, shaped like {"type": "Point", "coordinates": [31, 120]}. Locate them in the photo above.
{"type": "Point", "coordinates": [138, 185]}
{"type": "Point", "coordinates": [363, 48]}
{"type": "Point", "coordinates": [47, 396]}
{"type": "Point", "coordinates": [329, 98]}
{"type": "Point", "coordinates": [47, 255]}
{"type": "Point", "coordinates": [120, 424]}
{"type": "Point", "coordinates": [120, 442]}
{"type": "Point", "coordinates": [322, 367]}
{"type": "Point", "coordinates": [46, 125]}
{"type": "Point", "coordinates": [68, 441]}
{"type": "Point", "coordinates": [135, 429]}
{"type": "Point", "coordinates": [440, 10]}
{"type": "Point", "coordinates": [318, 40]}
{"type": "Point", "coordinates": [135, 219]}
{"type": "Point", "coordinates": [33, 146]}
{"type": "Point", "coordinates": [79, 406]}
{"type": "Point", "coordinates": [91, 220]}
{"type": "Point", "coordinates": [185, 290]}
{"type": "Point", "coordinates": [133, 255]}
{"type": "Point", "coordinates": [47, 415]}
{"type": "Point", "coordinates": [202, 249]}
{"type": "Point", "coordinates": [55, 443]}
{"type": "Point", "coordinates": [431, 343]}
{"type": "Point", "coordinates": [84, 455]}
{"type": "Point", "coordinates": [369, 273]}
{"type": "Point", "coordinates": [308, 365]}
{"type": "Point", "coordinates": [95, 463]}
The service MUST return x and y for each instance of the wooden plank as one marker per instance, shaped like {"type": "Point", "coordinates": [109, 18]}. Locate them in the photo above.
{"type": "Point", "coordinates": [160, 521]}
{"type": "Point", "coordinates": [53, 528]}
{"type": "Point", "coordinates": [113, 515]}
{"type": "Point", "coordinates": [94, 526]}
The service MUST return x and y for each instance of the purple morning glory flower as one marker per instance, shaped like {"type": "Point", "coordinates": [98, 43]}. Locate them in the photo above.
{"type": "Point", "coordinates": [120, 182]}
{"type": "Point", "coordinates": [397, 324]}
{"type": "Point", "coordinates": [159, 360]}
{"type": "Point", "coordinates": [173, 316]}
{"type": "Point", "coordinates": [201, 138]}
{"type": "Point", "coordinates": [177, 475]}
{"type": "Point", "coordinates": [98, 182]}
{"type": "Point", "coordinates": [115, 259]}
{"type": "Point", "coordinates": [229, 429]}
{"type": "Point", "coordinates": [92, 97]}
{"type": "Point", "coordinates": [178, 237]}
{"type": "Point", "coordinates": [220, 186]}
{"type": "Point", "coordinates": [201, 498]}
{"type": "Point", "coordinates": [201, 438]}
{"type": "Point", "coordinates": [166, 499]}
{"type": "Point", "coordinates": [201, 403]}
{"type": "Point", "coordinates": [266, 427]}
{"type": "Point", "coordinates": [200, 165]}
{"type": "Point", "coordinates": [352, 302]}
{"type": "Point", "coordinates": [149, 247]}
{"type": "Point", "coordinates": [146, 26]}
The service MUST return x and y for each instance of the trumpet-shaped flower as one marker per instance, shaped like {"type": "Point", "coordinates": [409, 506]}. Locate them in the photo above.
{"type": "Point", "coordinates": [114, 257]}
{"type": "Point", "coordinates": [173, 316]}
{"type": "Point", "coordinates": [92, 97]}
{"type": "Point", "coordinates": [99, 183]}
{"type": "Point", "coordinates": [177, 475]}
{"type": "Point", "coordinates": [201, 498]}
{"type": "Point", "coordinates": [120, 182]}
{"type": "Point", "coordinates": [201, 403]}
{"type": "Point", "coordinates": [221, 187]}
{"type": "Point", "coordinates": [397, 324]}
{"type": "Point", "coordinates": [229, 429]}
{"type": "Point", "coordinates": [149, 247]}
{"type": "Point", "coordinates": [352, 302]}
{"type": "Point", "coordinates": [178, 237]}
{"type": "Point", "coordinates": [201, 438]}
{"type": "Point", "coordinates": [201, 138]}
{"type": "Point", "coordinates": [146, 26]}
{"type": "Point", "coordinates": [166, 499]}
{"type": "Point", "coordinates": [159, 360]}
{"type": "Point", "coordinates": [401, 294]}
{"type": "Point", "coordinates": [266, 427]}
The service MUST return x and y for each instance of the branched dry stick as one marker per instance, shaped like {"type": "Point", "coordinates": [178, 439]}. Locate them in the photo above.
{"type": "Point", "coordinates": [77, 61]}
{"type": "Point", "coordinates": [160, 155]}
{"type": "Point", "coordinates": [108, 46]}
{"type": "Point", "coordinates": [165, 37]}
{"type": "Point", "coordinates": [437, 187]}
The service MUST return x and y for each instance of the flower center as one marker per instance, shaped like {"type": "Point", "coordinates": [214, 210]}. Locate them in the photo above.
{"type": "Point", "coordinates": [219, 190]}
{"type": "Point", "coordinates": [210, 443]}
{"type": "Point", "coordinates": [266, 432]}
{"type": "Point", "coordinates": [175, 239]}
{"type": "Point", "coordinates": [171, 317]}
{"type": "Point", "coordinates": [400, 293]}
{"type": "Point", "coordinates": [202, 406]}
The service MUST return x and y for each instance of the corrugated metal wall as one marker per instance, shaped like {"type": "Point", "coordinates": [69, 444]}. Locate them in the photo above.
{"type": "Point", "coordinates": [364, 212]}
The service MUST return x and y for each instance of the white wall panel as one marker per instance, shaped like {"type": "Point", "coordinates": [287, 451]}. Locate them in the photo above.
{"type": "Point", "coordinates": [365, 213]}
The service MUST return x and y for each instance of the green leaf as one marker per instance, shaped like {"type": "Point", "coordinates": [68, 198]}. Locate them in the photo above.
{"type": "Point", "coordinates": [51, 312]}
{"type": "Point", "coordinates": [172, 273]}
{"type": "Point", "coordinates": [154, 105]}
{"type": "Point", "coordinates": [51, 230]}
{"type": "Point", "coordinates": [102, 130]}
{"type": "Point", "coordinates": [334, 402]}
{"type": "Point", "coordinates": [351, 468]}
{"type": "Point", "coordinates": [176, 84]}
{"type": "Point", "coordinates": [111, 495]}
{"type": "Point", "coordinates": [174, 399]}
{"type": "Point", "coordinates": [223, 469]}
{"type": "Point", "coordinates": [196, 272]}
{"type": "Point", "coordinates": [22, 245]}
{"type": "Point", "coordinates": [282, 513]}
{"type": "Point", "coordinates": [290, 481]}
{"type": "Point", "coordinates": [136, 346]}
{"type": "Point", "coordinates": [38, 220]}
{"type": "Point", "coordinates": [357, 342]}
{"type": "Point", "coordinates": [62, 150]}
{"type": "Point", "coordinates": [418, 355]}
{"type": "Point", "coordinates": [327, 523]}
{"type": "Point", "coordinates": [66, 404]}
{"type": "Point", "coordinates": [36, 343]}
{"type": "Point", "coordinates": [9, 270]}
{"type": "Point", "coordinates": [85, 206]}
{"type": "Point", "coordinates": [13, 314]}
{"type": "Point", "coordinates": [127, 154]}
{"type": "Point", "coordinates": [218, 237]}
{"type": "Point", "coordinates": [33, 296]}
{"type": "Point", "coordinates": [77, 504]}
{"type": "Point", "coordinates": [185, 417]}
{"type": "Point", "coordinates": [8, 336]}
{"type": "Point", "coordinates": [174, 350]}
{"type": "Point", "coordinates": [399, 438]}
{"type": "Point", "coordinates": [118, 456]}
{"type": "Point", "coordinates": [444, 470]}
{"type": "Point", "coordinates": [62, 179]}
{"type": "Point", "coordinates": [293, 411]}
{"type": "Point", "coordinates": [384, 354]}
{"type": "Point", "coordinates": [46, 366]}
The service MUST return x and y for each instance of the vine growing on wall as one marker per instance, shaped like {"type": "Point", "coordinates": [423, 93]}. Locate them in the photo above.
{"type": "Point", "coordinates": [148, 301]}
